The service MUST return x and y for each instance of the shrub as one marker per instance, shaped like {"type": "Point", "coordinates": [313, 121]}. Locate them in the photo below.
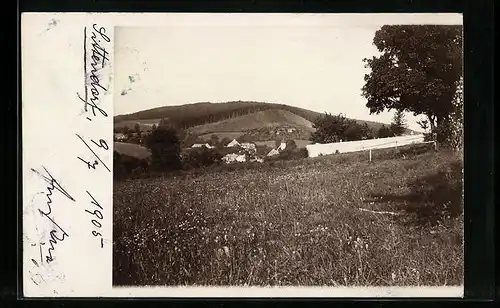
{"type": "Point", "coordinates": [164, 144]}
{"type": "Point", "coordinates": [289, 154]}
{"type": "Point", "coordinates": [126, 166]}
{"type": "Point", "coordinates": [201, 157]}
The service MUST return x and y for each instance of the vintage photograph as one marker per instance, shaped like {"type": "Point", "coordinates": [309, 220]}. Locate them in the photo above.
{"type": "Point", "coordinates": [309, 150]}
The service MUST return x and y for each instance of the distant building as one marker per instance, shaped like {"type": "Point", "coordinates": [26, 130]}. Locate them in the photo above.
{"type": "Point", "coordinates": [233, 143]}
{"type": "Point", "coordinates": [257, 159]}
{"type": "Point", "coordinates": [199, 145]}
{"type": "Point", "coordinates": [273, 152]}
{"type": "Point", "coordinates": [248, 146]}
{"type": "Point", "coordinates": [120, 137]}
{"type": "Point", "coordinates": [233, 157]}
{"type": "Point", "coordinates": [282, 146]}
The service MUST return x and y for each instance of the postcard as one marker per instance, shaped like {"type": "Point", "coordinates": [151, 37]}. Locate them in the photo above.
{"type": "Point", "coordinates": [242, 155]}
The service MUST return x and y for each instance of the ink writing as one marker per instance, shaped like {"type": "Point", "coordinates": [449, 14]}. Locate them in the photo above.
{"type": "Point", "coordinates": [57, 234]}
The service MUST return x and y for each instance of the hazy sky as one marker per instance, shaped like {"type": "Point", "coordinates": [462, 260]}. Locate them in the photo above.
{"type": "Point", "coordinates": [309, 61]}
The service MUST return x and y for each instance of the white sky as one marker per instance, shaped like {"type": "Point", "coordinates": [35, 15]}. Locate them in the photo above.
{"type": "Point", "coordinates": [313, 61]}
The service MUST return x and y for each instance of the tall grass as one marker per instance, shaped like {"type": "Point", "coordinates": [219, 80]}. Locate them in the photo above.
{"type": "Point", "coordinates": [299, 222]}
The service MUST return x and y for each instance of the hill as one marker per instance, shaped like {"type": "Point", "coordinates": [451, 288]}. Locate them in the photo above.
{"type": "Point", "coordinates": [230, 119]}
{"type": "Point", "coordinates": [268, 119]}
{"type": "Point", "coordinates": [189, 115]}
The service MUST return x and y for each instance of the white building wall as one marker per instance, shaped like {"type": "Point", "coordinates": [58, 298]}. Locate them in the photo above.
{"type": "Point", "coordinates": [315, 150]}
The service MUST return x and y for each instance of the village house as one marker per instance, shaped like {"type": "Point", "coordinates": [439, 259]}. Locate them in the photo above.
{"type": "Point", "coordinates": [199, 145]}
{"type": "Point", "coordinates": [257, 159]}
{"type": "Point", "coordinates": [282, 146]}
{"type": "Point", "coordinates": [248, 146]}
{"type": "Point", "coordinates": [233, 143]}
{"type": "Point", "coordinates": [273, 152]}
{"type": "Point", "coordinates": [234, 157]}
{"type": "Point", "coordinates": [278, 150]}
{"type": "Point", "coordinates": [120, 137]}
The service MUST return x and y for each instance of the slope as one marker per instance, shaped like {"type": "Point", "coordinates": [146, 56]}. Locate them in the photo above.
{"type": "Point", "coordinates": [262, 119]}
{"type": "Point", "coordinates": [198, 114]}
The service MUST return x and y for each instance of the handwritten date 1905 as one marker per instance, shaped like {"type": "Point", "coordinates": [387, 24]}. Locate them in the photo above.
{"type": "Point", "coordinates": [97, 219]}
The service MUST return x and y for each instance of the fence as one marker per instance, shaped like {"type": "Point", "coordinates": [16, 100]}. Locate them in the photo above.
{"type": "Point", "coordinates": [314, 150]}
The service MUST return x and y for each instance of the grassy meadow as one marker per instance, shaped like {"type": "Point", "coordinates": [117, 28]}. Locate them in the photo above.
{"type": "Point", "coordinates": [333, 220]}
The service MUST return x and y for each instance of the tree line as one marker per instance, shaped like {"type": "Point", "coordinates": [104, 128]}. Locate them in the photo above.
{"type": "Point", "coordinates": [337, 128]}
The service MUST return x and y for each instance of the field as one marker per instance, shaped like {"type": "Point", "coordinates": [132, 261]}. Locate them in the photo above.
{"type": "Point", "coordinates": [131, 149]}
{"type": "Point", "coordinates": [333, 220]}
{"type": "Point", "coordinates": [145, 125]}
{"type": "Point", "coordinates": [222, 135]}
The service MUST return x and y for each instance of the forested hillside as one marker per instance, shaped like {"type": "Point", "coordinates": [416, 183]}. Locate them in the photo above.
{"type": "Point", "coordinates": [190, 115]}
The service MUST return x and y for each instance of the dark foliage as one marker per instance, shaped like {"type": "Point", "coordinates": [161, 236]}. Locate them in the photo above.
{"type": "Point", "coordinates": [398, 125]}
{"type": "Point", "coordinates": [335, 128]}
{"type": "Point", "coordinates": [384, 132]}
{"type": "Point", "coordinates": [165, 148]}
{"type": "Point", "coordinates": [127, 166]}
{"type": "Point", "coordinates": [201, 157]}
{"type": "Point", "coordinates": [292, 154]}
{"type": "Point", "coordinates": [418, 70]}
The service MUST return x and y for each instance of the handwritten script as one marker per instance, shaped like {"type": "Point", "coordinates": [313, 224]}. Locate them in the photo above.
{"type": "Point", "coordinates": [93, 158]}
{"type": "Point", "coordinates": [56, 234]}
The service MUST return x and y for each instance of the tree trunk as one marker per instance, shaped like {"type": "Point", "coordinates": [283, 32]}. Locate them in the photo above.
{"type": "Point", "coordinates": [432, 122]}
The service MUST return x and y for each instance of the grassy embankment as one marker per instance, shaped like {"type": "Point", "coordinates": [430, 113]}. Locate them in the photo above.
{"type": "Point", "coordinates": [333, 220]}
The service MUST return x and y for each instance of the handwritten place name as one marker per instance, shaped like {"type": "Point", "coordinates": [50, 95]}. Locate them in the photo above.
{"type": "Point", "coordinates": [99, 57]}
{"type": "Point", "coordinates": [57, 234]}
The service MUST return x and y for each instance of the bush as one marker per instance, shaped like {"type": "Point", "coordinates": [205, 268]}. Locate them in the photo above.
{"type": "Point", "coordinates": [126, 166]}
{"type": "Point", "coordinates": [334, 128]}
{"type": "Point", "coordinates": [289, 154]}
{"type": "Point", "coordinates": [263, 150]}
{"type": "Point", "coordinates": [165, 147]}
{"type": "Point", "coordinates": [201, 157]}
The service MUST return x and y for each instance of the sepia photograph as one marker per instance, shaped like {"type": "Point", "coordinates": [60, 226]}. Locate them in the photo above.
{"type": "Point", "coordinates": [303, 150]}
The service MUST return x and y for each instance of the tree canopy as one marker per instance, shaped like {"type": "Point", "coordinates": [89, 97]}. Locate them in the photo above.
{"type": "Point", "coordinates": [164, 144]}
{"type": "Point", "coordinates": [384, 132]}
{"type": "Point", "coordinates": [398, 125]}
{"type": "Point", "coordinates": [418, 70]}
{"type": "Point", "coordinates": [335, 128]}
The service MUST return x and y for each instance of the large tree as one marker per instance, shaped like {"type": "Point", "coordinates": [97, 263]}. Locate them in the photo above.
{"type": "Point", "coordinates": [398, 124]}
{"type": "Point", "coordinates": [164, 144]}
{"type": "Point", "coordinates": [329, 128]}
{"type": "Point", "coordinates": [418, 70]}
{"type": "Point", "coordinates": [335, 128]}
{"type": "Point", "coordinates": [137, 128]}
